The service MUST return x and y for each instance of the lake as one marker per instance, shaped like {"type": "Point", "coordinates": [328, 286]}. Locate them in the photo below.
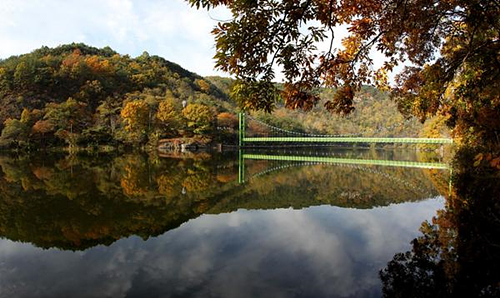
{"type": "Point", "coordinates": [201, 225]}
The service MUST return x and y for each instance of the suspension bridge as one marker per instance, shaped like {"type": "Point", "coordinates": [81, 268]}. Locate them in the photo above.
{"type": "Point", "coordinates": [266, 134]}
{"type": "Point", "coordinates": [274, 135]}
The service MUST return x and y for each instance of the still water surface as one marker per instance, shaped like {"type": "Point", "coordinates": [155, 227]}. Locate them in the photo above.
{"type": "Point", "coordinates": [183, 226]}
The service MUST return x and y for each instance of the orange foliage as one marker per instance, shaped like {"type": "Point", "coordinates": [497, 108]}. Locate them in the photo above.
{"type": "Point", "coordinates": [227, 120]}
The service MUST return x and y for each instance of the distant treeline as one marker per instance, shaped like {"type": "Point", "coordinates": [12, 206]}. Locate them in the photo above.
{"type": "Point", "coordinates": [80, 96]}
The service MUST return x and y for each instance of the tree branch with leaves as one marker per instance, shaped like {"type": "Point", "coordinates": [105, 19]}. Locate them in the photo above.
{"type": "Point", "coordinates": [450, 47]}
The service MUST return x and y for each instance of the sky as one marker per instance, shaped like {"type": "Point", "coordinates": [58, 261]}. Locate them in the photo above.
{"type": "Point", "coordinates": [168, 28]}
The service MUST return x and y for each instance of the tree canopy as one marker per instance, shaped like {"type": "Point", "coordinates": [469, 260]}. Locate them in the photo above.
{"type": "Point", "coordinates": [82, 96]}
{"type": "Point", "coordinates": [450, 49]}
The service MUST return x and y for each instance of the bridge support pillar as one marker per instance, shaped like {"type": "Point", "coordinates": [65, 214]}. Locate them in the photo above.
{"type": "Point", "coordinates": [241, 128]}
{"type": "Point", "coordinates": [241, 167]}
{"type": "Point", "coordinates": [240, 140]}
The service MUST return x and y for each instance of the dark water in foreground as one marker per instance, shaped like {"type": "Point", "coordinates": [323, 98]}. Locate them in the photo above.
{"type": "Point", "coordinates": [183, 226]}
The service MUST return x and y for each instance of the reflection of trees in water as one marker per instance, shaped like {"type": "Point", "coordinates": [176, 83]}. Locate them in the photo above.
{"type": "Point", "coordinates": [458, 254]}
{"type": "Point", "coordinates": [339, 185]}
{"type": "Point", "coordinates": [77, 202]}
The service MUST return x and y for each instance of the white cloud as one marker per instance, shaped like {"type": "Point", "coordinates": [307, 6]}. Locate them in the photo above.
{"type": "Point", "coordinates": [332, 252]}
{"type": "Point", "coordinates": [170, 29]}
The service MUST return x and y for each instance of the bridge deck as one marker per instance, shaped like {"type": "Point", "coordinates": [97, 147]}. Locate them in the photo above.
{"type": "Point", "coordinates": [349, 140]}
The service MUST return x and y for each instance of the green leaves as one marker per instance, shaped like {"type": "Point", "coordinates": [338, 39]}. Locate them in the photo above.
{"type": "Point", "coordinates": [255, 95]}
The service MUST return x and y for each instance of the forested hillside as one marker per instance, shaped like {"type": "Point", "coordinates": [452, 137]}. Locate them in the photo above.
{"type": "Point", "coordinates": [80, 96]}
{"type": "Point", "coordinates": [376, 115]}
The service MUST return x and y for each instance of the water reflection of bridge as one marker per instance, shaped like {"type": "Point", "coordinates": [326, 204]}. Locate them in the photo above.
{"type": "Point", "coordinates": [333, 160]}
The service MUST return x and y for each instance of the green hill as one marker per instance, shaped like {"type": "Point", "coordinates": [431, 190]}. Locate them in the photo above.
{"type": "Point", "coordinates": [75, 94]}
{"type": "Point", "coordinates": [80, 96]}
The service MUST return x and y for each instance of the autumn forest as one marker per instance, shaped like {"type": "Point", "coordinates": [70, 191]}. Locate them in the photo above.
{"type": "Point", "coordinates": [131, 175]}
{"type": "Point", "coordinates": [77, 96]}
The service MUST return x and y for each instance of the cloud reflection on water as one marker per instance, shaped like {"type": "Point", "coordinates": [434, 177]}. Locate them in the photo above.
{"type": "Point", "coordinates": [313, 252]}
